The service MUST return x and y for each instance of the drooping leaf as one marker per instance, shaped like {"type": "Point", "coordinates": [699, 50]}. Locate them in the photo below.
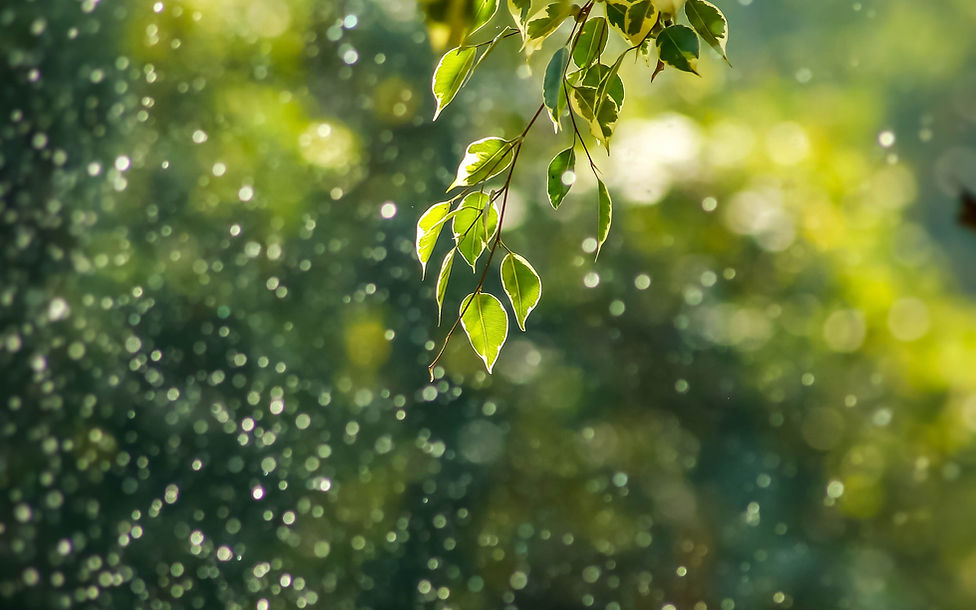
{"type": "Point", "coordinates": [617, 15]}
{"type": "Point", "coordinates": [586, 96]}
{"type": "Point", "coordinates": [482, 160]}
{"type": "Point", "coordinates": [606, 77]}
{"type": "Point", "coordinates": [560, 176]}
{"type": "Point", "coordinates": [428, 229]}
{"type": "Point", "coordinates": [474, 224]}
{"type": "Point", "coordinates": [450, 74]}
{"type": "Point", "coordinates": [592, 40]}
{"type": "Point", "coordinates": [583, 100]}
{"type": "Point", "coordinates": [677, 46]}
{"type": "Point", "coordinates": [632, 20]}
{"type": "Point", "coordinates": [484, 10]}
{"type": "Point", "coordinates": [553, 83]}
{"type": "Point", "coordinates": [710, 24]}
{"type": "Point", "coordinates": [520, 13]}
{"type": "Point", "coordinates": [522, 285]}
{"type": "Point", "coordinates": [442, 278]}
{"type": "Point", "coordinates": [485, 322]}
{"type": "Point", "coordinates": [606, 215]}
{"type": "Point", "coordinates": [543, 24]}
{"type": "Point", "coordinates": [608, 81]}
{"type": "Point", "coordinates": [641, 17]}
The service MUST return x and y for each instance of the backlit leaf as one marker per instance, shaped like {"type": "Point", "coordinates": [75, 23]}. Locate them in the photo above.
{"type": "Point", "coordinates": [484, 10]}
{"type": "Point", "coordinates": [485, 322]}
{"type": "Point", "coordinates": [442, 278]}
{"type": "Point", "coordinates": [560, 176]}
{"type": "Point", "coordinates": [606, 215]}
{"type": "Point", "coordinates": [632, 20]}
{"type": "Point", "coordinates": [482, 160]}
{"type": "Point", "coordinates": [601, 127]}
{"type": "Point", "coordinates": [428, 229]}
{"type": "Point", "coordinates": [450, 74]}
{"type": "Point", "coordinates": [522, 285]}
{"type": "Point", "coordinates": [678, 46]}
{"type": "Point", "coordinates": [474, 224]}
{"type": "Point", "coordinates": [592, 40]}
{"type": "Point", "coordinates": [710, 24]}
{"type": "Point", "coordinates": [543, 24]}
{"type": "Point", "coordinates": [553, 83]}
{"type": "Point", "coordinates": [520, 13]}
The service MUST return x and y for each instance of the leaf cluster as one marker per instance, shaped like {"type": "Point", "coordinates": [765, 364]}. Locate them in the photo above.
{"type": "Point", "coordinates": [579, 82]}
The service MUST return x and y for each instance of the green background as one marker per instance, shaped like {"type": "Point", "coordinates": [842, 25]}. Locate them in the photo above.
{"type": "Point", "coordinates": [214, 337]}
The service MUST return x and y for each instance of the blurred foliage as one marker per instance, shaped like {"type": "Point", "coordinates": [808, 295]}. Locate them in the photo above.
{"type": "Point", "coordinates": [213, 342]}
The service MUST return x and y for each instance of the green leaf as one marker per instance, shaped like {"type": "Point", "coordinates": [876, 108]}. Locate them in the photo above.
{"type": "Point", "coordinates": [583, 100]}
{"type": "Point", "coordinates": [599, 76]}
{"type": "Point", "coordinates": [520, 13]}
{"type": "Point", "coordinates": [641, 17]}
{"type": "Point", "coordinates": [522, 285]}
{"type": "Point", "coordinates": [677, 45]}
{"type": "Point", "coordinates": [442, 278]}
{"type": "Point", "coordinates": [592, 40]}
{"type": "Point", "coordinates": [606, 215]}
{"type": "Point", "coordinates": [543, 24]}
{"type": "Point", "coordinates": [632, 20]}
{"type": "Point", "coordinates": [586, 100]}
{"type": "Point", "coordinates": [617, 15]}
{"type": "Point", "coordinates": [483, 159]}
{"type": "Point", "coordinates": [484, 10]}
{"type": "Point", "coordinates": [553, 83]}
{"type": "Point", "coordinates": [557, 186]}
{"type": "Point", "coordinates": [608, 81]}
{"type": "Point", "coordinates": [428, 229]}
{"type": "Point", "coordinates": [450, 74]}
{"type": "Point", "coordinates": [710, 24]}
{"type": "Point", "coordinates": [474, 224]}
{"type": "Point", "coordinates": [484, 320]}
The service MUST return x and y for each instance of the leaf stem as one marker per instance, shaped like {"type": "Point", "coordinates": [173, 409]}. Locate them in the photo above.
{"type": "Point", "coordinates": [503, 192]}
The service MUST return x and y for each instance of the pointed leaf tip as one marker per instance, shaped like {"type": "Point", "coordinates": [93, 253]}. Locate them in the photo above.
{"type": "Point", "coordinates": [450, 74]}
{"type": "Point", "coordinates": [483, 159]}
{"type": "Point", "coordinates": [522, 285]}
{"type": "Point", "coordinates": [606, 216]}
{"type": "Point", "coordinates": [560, 176]}
{"type": "Point", "coordinates": [678, 47]}
{"type": "Point", "coordinates": [428, 230]}
{"type": "Point", "coordinates": [485, 322]}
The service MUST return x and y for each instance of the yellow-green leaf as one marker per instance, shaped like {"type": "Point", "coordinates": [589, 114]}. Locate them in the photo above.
{"type": "Point", "coordinates": [484, 10]}
{"type": "Point", "coordinates": [428, 229]}
{"type": "Point", "coordinates": [677, 46]}
{"type": "Point", "coordinates": [544, 23]}
{"type": "Point", "coordinates": [474, 224]}
{"type": "Point", "coordinates": [632, 19]}
{"type": "Point", "coordinates": [560, 176]}
{"type": "Point", "coordinates": [520, 13]}
{"type": "Point", "coordinates": [606, 215]}
{"type": "Point", "coordinates": [583, 100]}
{"type": "Point", "coordinates": [450, 74]}
{"type": "Point", "coordinates": [485, 322]}
{"type": "Point", "coordinates": [710, 24]}
{"type": "Point", "coordinates": [483, 159]}
{"type": "Point", "coordinates": [442, 278]}
{"type": "Point", "coordinates": [522, 285]}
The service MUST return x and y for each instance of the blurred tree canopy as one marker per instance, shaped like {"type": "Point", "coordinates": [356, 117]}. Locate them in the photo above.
{"type": "Point", "coordinates": [213, 341]}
